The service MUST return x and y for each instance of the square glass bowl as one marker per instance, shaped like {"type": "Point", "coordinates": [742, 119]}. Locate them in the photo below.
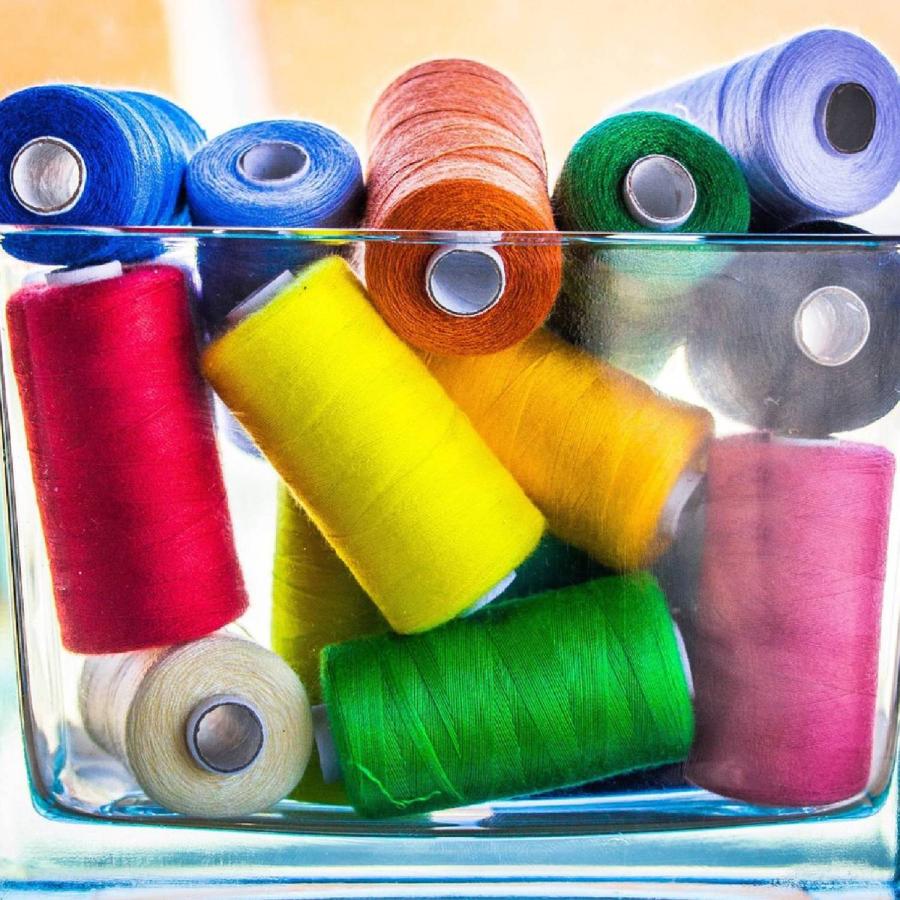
{"type": "Point", "coordinates": [792, 336]}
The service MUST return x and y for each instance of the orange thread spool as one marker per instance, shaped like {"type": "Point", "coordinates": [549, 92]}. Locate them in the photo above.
{"type": "Point", "coordinates": [454, 147]}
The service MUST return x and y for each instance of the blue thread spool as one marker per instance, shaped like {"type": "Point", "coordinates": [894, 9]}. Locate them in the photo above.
{"type": "Point", "coordinates": [277, 174]}
{"type": "Point", "coordinates": [86, 156]}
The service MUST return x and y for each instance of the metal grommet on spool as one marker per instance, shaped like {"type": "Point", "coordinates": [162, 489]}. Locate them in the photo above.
{"type": "Point", "coordinates": [831, 325]}
{"type": "Point", "coordinates": [47, 176]}
{"type": "Point", "coordinates": [274, 161]}
{"type": "Point", "coordinates": [659, 192]}
{"type": "Point", "coordinates": [465, 280]}
{"type": "Point", "coordinates": [849, 118]}
{"type": "Point", "coordinates": [225, 734]}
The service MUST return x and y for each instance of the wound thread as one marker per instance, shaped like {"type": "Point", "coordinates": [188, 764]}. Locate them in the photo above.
{"type": "Point", "coordinates": [390, 471]}
{"type": "Point", "coordinates": [72, 155]}
{"type": "Point", "coordinates": [316, 601]}
{"type": "Point", "coordinates": [631, 305]}
{"type": "Point", "coordinates": [124, 460]}
{"type": "Point", "coordinates": [454, 147]}
{"type": "Point", "coordinates": [153, 710]}
{"type": "Point", "coordinates": [599, 452]}
{"type": "Point", "coordinates": [784, 639]}
{"type": "Point", "coordinates": [813, 122]}
{"type": "Point", "coordinates": [553, 691]}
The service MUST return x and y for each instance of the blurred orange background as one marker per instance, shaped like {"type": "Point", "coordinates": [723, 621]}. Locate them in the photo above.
{"type": "Point", "coordinates": [231, 61]}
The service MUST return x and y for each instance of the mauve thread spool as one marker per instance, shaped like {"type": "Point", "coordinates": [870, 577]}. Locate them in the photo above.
{"type": "Point", "coordinates": [124, 460]}
{"type": "Point", "coordinates": [802, 339]}
{"type": "Point", "coordinates": [784, 639]}
{"type": "Point", "coordinates": [455, 148]}
{"type": "Point", "coordinates": [814, 123]}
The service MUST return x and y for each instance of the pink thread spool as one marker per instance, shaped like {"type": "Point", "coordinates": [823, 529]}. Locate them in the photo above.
{"type": "Point", "coordinates": [784, 640]}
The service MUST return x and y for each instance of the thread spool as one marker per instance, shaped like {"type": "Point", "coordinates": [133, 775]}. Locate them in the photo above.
{"type": "Point", "coordinates": [813, 122]}
{"type": "Point", "coordinates": [803, 341]}
{"type": "Point", "coordinates": [454, 147]}
{"type": "Point", "coordinates": [784, 642]}
{"type": "Point", "coordinates": [599, 452]}
{"type": "Point", "coordinates": [641, 171]}
{"type": "Point", "coordinates": [86, 156]}
{"type": "Point", "coordinates": [212, 729]}
{"type": "Point", "coordinates": [315, 602]}
{"type": "Point", "coordinates": [129, 490]}
{"type": "Point", "coordinates": [392, 474]}
{"type": "Point", "coordinates": [564, 688]}
{"type": "Point", "coordinates": [273, 174]}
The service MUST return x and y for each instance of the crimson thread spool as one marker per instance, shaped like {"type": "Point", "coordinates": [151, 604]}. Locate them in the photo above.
{"type": "Point", "coordinates": [455, 148]}
{"type": "Point", "coordinates": [124, 460]}
{"type": "Point", "coordinates": [784, 640]}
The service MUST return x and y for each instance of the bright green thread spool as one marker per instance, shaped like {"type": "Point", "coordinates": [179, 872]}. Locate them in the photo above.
{"type": "Point", "coordinates": [552, 691]}
{"type": "Point", "coordinates": [315, 602]}
{"type": "Point", "coordinates": [625, 303]}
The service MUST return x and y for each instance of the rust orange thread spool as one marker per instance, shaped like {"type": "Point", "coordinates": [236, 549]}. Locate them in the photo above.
{"type": "Point", "coordinates": [454, 147]}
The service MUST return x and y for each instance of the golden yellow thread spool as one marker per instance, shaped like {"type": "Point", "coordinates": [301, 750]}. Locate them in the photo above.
{"type": "Point", "coordinates": [391, 472]}
{"type": "Point", "coordinates": [315, 602]}
{"type": "Point", "coordinates": [606, 458]}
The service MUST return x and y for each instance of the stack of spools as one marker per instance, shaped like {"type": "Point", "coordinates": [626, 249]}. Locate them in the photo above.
{"type": "Point", "coordinates": [470, 503]}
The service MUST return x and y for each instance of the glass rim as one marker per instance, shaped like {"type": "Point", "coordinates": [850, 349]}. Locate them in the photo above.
{"type": "Point", "coordinates": [442, 237]}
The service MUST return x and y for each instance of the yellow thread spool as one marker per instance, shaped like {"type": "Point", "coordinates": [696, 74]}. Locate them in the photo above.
{"type": "Point", "coordinates": [315, 602]}
{"type": "Point", "coordinates": [391, 472]}
{"type": "Point", "coordinates": [606, 458]}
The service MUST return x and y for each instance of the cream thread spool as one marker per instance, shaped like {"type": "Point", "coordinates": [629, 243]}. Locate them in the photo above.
{"type": "Point", "coordinates": [465, 279]}
{"type": "Point", "coordinates": [659, 192]}
{"type": "Point", "coordinates": [47, 176]}
{"type": "Point", "coordinates": [219, 727]}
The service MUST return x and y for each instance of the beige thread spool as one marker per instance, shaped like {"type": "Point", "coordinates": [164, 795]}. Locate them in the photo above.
{"type": "Point", "coordinates": [220, 727]}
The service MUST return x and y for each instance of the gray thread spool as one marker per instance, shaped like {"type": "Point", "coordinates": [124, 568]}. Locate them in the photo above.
{"type": "Point", "coordinates": [47, 176]}
{"type": "Point", "coordinates": [803, 341]}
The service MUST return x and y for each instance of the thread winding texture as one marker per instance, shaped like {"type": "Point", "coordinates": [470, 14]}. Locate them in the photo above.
{"type": "Point", "coordinates": [599, 452]}
{"type": "Point", "coordinates": [784, 641]}
{"type": "Point", "coordinates": [316, 601]}
{"type": "Point", "coordinates": [454, 147]}
{"type": "Point", "coordinates": [124, 460]}
{"type": "Point", "coordinates": [630, 305]}
{"type": "Point", "coordinates": [134, 148]}
{"type": "Point", "coordinates": [799, 343]}
{"type": "Point", "coordinates": [769, 111]}
{"type": "Point", "coordinates": [390, 471]}
{"type": "Point", "coordinates": [553, 691]}
{"type": "Point", "coordinates": [135, 706]}
{"type": "Point", "coordinates": [274, 174]}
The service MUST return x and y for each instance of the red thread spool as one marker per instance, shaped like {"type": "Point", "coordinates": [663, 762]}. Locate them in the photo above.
{"type": "Point", "coordinates": [784, 640]}
{"type": "Point", "coordinates": [454, 147]}
{"type": "Point", "coordinates": [124, 459]}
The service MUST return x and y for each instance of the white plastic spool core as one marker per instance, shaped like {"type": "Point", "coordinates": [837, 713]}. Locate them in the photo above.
{"type": "Point", "coordinates": [328, 759]}
{"type": "Point", "coordinates": [831, 325]}
{"type": "Point", "coordinates": [465, 279]}
{"type": "Point", "coordinates": [676, 502]}
{"type": "Point", "coordinates": [47, 176]}
{"type": "Point", "coordinates": [660, 192]}
{"type": "Point", "coordinates": [225, 734]}
{"type": "Point", "coordinates": [86, 274]}
{"type": "Point", "coordinates": [685, 660]}
{"type": "Point", "coordinates": [850, 117]}
{"type": "Point", "coordinates": [270, 161]}
{"type": "Point", "coordinates": [259, 298]}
